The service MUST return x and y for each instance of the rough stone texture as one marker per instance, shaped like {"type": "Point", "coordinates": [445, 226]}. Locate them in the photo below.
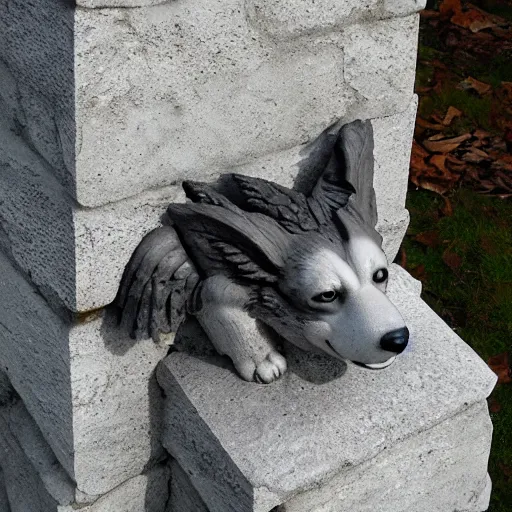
{"type": "Point", "coordinates": [298, 433]}
{"type": "Point", "coordinates": [199, 90]}
{"type": "Point", "coordinates": [144, 493]}
{"type": "Point", "coordinates": [438, 470]}
{"type": "Point", "coordinates": [37, 70]}
{"type": "Point", "coordinates": [308, 15]}
{"type": "Point", "coordinates": [25, 489]}
{"type": "Point", "coordinates": [38, 452]}
{"type": "Point", "coordinates": [4, 500]}
{"type": "Point", "coordinates": [119, 101]}
{"type": "Point", "coordinates": [6, 389]}
{"type": "Point", "coordinates": [99, 4]}
{"type": "Point", "coordinates": [90, 389]}
{"type": "Point", "coordinates": [183, 496]}
{"type": "Point", "coordinates": [76, 256]}
{"type": "Point", "coordinates": [284, 19]}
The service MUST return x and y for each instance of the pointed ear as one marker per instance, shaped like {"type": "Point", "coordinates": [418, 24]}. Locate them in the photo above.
{"type": "Point", "coordinates": [231, 242]}
{"type": "Point", "coordinates": [348, 178]}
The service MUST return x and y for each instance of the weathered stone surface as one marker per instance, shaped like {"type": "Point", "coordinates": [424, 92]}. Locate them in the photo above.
{"type": "Point", "coordinates": [90, 389]}
{"type": "Point", "coordinates": [283, 19]}
{"type": "Point", "coordinates": [438, 470]}
{"type": "Point", "coordinates": [183, 497]}
{"type": "Point", "coordinates": [119, 101]}
{"type": "Point", "coordinates": [25, 490]}
{"type": "Point", "coordinates": [100, 4]}
{"type": "Point", "coordinates": [248, 447]}
{"type": "Point", "coordinates": [38, 452]}
{"type": "Point", "coordinates": [144, 493]}
{"type": "Point", "coordinates": [37, 70]}
{"type": "Point", "coordinates": [76, 256]}
{"type": "Point", "coordinates": [4, 500]}
{"type": "Point", "coordinates": [6, 389]}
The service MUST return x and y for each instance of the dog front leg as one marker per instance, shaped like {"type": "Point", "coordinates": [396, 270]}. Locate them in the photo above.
{"type": "Point", "coordinates": [221, 312]}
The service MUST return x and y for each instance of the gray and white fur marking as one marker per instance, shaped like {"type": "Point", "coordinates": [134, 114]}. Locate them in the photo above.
{"type": "Point", "coordinates": [248, 252]}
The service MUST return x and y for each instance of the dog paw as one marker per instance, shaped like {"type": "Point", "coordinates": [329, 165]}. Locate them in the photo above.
{"type": "Point", "coordinates": [270, 369]}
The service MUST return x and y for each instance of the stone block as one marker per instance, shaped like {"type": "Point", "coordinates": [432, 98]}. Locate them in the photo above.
{"type": "Point", "coordinates": [120, 101]}
{"type": "Point", "coordinates": [33, 486]}
{"type": "Point", "coordinates": [76, 256]}
{"type": "Point", "coordinates": [248, 447]}
{"type": "Point", "coordinates": [144, 493]}
{"type": "Point", "coordinates": [28, 436]}
{"type": "Point", "coordinates": [90, 389]}
{"type": "Point", "coordinates": [285, 19]}
{"type": "Point", "coordinates": [25, 490]}
{"type": "Point", "coordinates": [4, 500]}
{"type": "Point", "coordinates": [183, 497]}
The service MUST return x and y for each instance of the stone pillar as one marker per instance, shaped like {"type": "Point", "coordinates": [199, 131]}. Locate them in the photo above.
{"type": "Point", "coordinates": [105, 107]}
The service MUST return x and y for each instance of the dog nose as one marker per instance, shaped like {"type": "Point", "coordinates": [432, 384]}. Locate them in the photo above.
{"type": "Point", "coordinates": [395, 341]}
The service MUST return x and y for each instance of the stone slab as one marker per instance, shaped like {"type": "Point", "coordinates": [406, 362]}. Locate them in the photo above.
{"type": "Point", "coordinates": [119, 101]}
{"type": "Point", "coordinates": [183, 496]}
{"type": "Point", "coordinates": [252, 447]}
{"type": "Point", "coordinates": [26, 486]}
{"type": "Point", "coordinates": [76, 256]}
{"type": "Point", "coordinates": [285, 19]}
{"type": "Point", "coordinates": [437, 470]}
{"type": "Point", "coordinates": [90, 389]}
{"type": "Point", "coordinates": [4, 500]}
{"type": "Point", "coordinates": [25, 490]}
{"type": "Point", "coordinates": [28, 435]}
{"type": "Point", "coordinates": [144, 493]}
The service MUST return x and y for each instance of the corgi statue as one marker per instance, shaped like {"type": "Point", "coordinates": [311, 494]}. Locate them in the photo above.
{"type": "Point", "coordinates": [248, 253]}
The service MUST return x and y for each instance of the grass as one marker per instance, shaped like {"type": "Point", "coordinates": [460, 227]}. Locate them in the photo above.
{"type": "Point", "coordinates": [475, 298]}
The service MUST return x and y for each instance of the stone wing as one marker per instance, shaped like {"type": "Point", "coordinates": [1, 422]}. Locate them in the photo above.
{"type": "Point", "coordinates": [155, 286]}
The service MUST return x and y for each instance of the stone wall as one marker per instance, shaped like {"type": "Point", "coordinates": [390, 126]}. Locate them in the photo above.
{"type": "Point", "coordinates": [105, 107]}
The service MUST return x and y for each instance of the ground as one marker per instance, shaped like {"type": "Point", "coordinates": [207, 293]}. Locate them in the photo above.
{"type": "Point", "coordinates": [459, 243]}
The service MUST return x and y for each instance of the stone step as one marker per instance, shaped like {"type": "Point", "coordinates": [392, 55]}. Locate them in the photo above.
{"type": "Point", "coordinates": [329, 437]}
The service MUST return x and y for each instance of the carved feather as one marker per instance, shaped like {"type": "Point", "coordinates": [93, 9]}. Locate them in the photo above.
{"type": "Point", "coordinates": [155, 286]}
{"type": "Point", "coordinates": [288, 207]}
{"type": "Point", "coordinates": [348, 178]}
{"type": "Point", "coordinates": [231, 242]}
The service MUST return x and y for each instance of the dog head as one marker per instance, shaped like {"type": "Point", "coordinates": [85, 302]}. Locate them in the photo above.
{"type": "Point", "coordinates": [312, 260]}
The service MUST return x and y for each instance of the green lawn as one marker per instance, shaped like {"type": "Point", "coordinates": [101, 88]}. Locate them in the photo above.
{"type": "Point", "coordinates": [465, 263]}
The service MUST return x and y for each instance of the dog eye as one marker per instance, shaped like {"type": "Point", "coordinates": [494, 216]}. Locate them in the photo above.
{"type": "Point", "coordinates": [326, 297]}
{"type": "Point", "coordinates": [381, 275]}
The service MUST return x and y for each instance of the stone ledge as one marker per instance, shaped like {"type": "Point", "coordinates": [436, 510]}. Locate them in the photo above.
{"type": "Point", "coordinates": [123, 101]}
{"type": "Point", "coordinates": [90, 389]}
{"type": "Point", "coordinates": [76, 256]}
{"type": "Point", "coordinates": [260, 446]}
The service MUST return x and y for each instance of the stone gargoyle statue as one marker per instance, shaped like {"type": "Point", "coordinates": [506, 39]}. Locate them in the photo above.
{"type": "Point", "coordinates": [246, 253]}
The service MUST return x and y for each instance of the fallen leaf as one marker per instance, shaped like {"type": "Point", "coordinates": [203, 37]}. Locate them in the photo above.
{"type": "Point", "coordinates": [451, 114]}
{"type": "Point", "coordinates": [494, 406]}
{"type": "Point", "coordinates": [429, 14]}
{"type": "Point", "coordinates": [472, 19]}
{"type": "Point", "coordinates": [428, 125]}
{"type": "Point", "coordinates": [452, 259]}
{"type": "Point", "coordinates": [446, 145]}
{"type": "Point", "coordinates": [437, 136]}
{"type": "Point", "coordinates": [401, 258]}
{"type": "Point", "coordinates": [418, 272]}
{"type": "Point", "coordinates": [428, 238]}
{"type": "Point", "coordinates": [439, 162]}
{"type": "Point", "coordinates": [449, 7]}
{"type": "Point", "coordinates": [475, 155]}
{"type": "Point", "coordinates": [500, 365]}
{"type": "Point", "coordinates": [418, 156]}
{"type": "Point", "coordinates": [475, 85]}
{"type": "Point", "coordinates": [481, 134]}
{"type": "Point", "coordinates": [447, 209]}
